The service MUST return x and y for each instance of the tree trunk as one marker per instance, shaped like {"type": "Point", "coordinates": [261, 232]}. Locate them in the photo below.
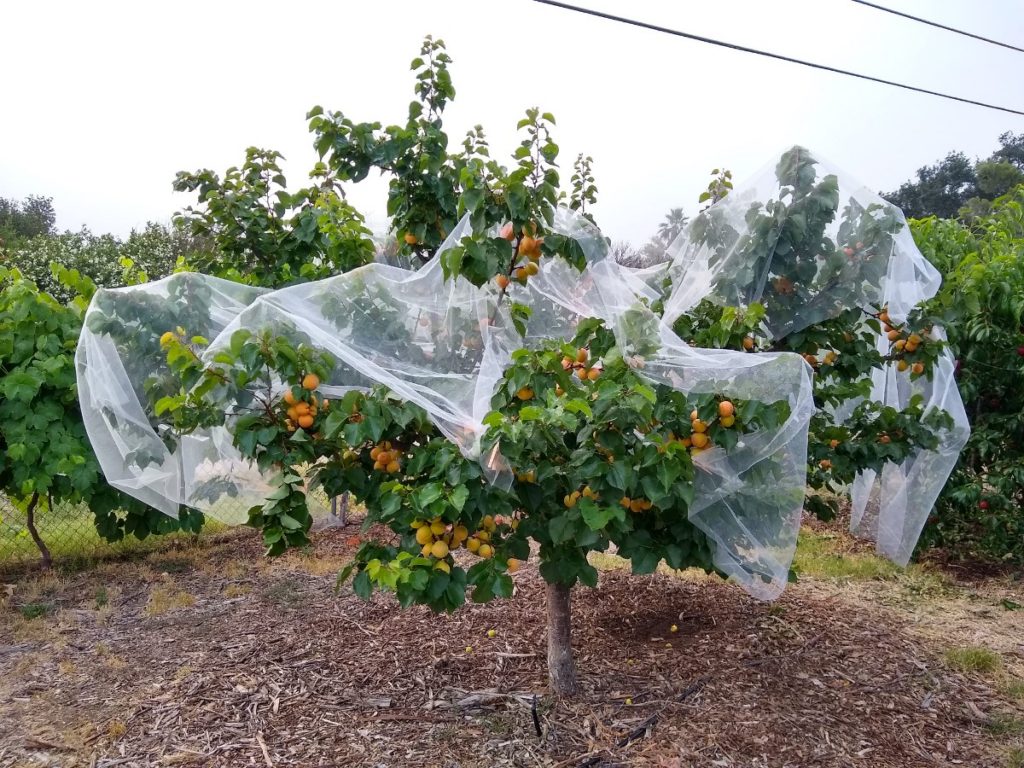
{"type": "Point", "coordinates": [30, 523]}
{"type": "Point", "coordinates": [339, 511]}
{"type": "Point", "coordinates": [561, 667]}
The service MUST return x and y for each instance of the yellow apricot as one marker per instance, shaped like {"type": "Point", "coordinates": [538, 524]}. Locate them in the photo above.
{"type": "Point", "coordinates": [439, 549]}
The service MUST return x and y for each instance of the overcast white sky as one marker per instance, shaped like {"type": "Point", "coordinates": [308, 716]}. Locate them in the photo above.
{"type": "Point", "coordinates": [103, 102]}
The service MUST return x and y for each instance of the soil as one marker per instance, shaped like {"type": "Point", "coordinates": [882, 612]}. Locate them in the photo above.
{"type": "Point", "coordinates": [213, 656]}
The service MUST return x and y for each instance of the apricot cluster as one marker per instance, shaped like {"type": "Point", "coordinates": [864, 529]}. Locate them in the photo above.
{"type": "Point", "coordinates": [572, 499]}
{"type": "Point", "coordinates": [635, 505]}
{"type": "Point", "coordinates": [902, 343]}
{"type": "Point", "coordinates": [439, 539]}
{"type": "Point", "coordinates": [528, 255]}
{"type": "Point", "coordinates": [585, 371]}
{"type": "Point", "coordinates": [302, 411]}
{"type": "Point", "coordinates": [385, 457]}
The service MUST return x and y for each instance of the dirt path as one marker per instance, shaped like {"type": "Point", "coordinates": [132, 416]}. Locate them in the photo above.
{"type": "Point", "coordinates": [215, 657]}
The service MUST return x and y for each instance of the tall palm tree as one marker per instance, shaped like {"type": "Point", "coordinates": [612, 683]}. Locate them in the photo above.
{"type": "Point", "coordinates": [674, 223]}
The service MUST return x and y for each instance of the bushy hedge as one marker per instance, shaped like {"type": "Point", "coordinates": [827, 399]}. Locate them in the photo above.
{"type": "Point", "coordinates": [980, 515]}
{"type": "Point", "coordinates": [154, 251]}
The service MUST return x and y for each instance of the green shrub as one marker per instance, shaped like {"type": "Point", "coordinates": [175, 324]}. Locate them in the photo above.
{"type": "Point", "coordinates": [980, 514]}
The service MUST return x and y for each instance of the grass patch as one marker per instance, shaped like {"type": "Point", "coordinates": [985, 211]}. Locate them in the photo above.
{"type": "Point", "coordinates": [182, 673]}
{"type": "Point", "coordinates": [31, 611]}
{"type": "Point", "coordinates": [1013, 690]}
{"type": "Point", "coordinates": [1004, 724]}
{"type": "Point", "coordinates": [71, 537]}
{"type": "Point", "coordinates": [236, 590]}
{"type": "Point", "coordinates": [36, 589]}
{"type": "Point", "coordinates": [116, 729]}
{"type": "Point", "coordinates": [32, 630]}
{"type": "Point", "coordinates": [309, 563]}
{"type": "Point", "coordinates": [820, 555]}
{"type": "Point", "coordinates": [605, 562]}
{"type": "Point", "coordinates": [1015, 758]}
{"type": "Point", "coordinates": [165, 597]}
{"type": "Point", "coordinates": [827, 555]}
{"type": "Point", "coordinates": [973, 659]}
{"type": "Point", "coordinates": [229, 569]}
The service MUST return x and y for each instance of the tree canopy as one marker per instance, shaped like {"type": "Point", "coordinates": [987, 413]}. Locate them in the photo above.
{"type": "Point", "coordinates": [956, 187]}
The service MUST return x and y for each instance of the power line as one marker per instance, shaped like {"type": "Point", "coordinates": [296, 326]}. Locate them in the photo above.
{"type": "Point", "coordinates": [779, 56]}
{"type": "Point", "coordinates": [936, 24]}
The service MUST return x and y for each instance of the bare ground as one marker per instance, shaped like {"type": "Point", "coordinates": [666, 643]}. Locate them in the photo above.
{"type": "Point", "coordinates": [212, 656]}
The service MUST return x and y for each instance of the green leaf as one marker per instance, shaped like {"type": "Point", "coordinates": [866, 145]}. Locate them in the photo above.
{"type": "Point", "coordinates": [667, 473]}
{"type": "Point", "coordinates": [597, 517]}
{"type": "Point", "coordinates": [620, 475]}
{"type": "Point", "coordinates": [390, 504]}
{"type": "Point", "coordinates": [343, 576]}
{"type": "Point", "coordinates": [289, 522]}
{"type": "Point", "coordinates": [579, 406]}
{"type": "Point", "coordinates": [647, 393]}
{"type": "Point", "coordinates": [429, 494]}
{"type": "Point", "coordinates": [561, 529]}
{"type": "Point", "coordinates": [458, 497]}
{"type": "Point", "coordinates": [20, 386]}
{"type": "Point", "coordinates": [362, 585]}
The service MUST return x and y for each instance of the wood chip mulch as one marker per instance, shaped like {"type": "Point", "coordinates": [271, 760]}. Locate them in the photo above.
{"type": "Point", "coordinates": [281, 671]}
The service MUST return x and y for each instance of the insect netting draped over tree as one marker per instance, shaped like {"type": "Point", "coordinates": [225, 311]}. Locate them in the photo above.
{"type": "Point", "coordinates": [444, 345]}
{"type": "Point", "coordinates": [808, 242]}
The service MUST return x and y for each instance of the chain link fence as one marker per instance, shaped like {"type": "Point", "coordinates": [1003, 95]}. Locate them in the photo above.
{"type": "Point", "coordinates": [68, 532]}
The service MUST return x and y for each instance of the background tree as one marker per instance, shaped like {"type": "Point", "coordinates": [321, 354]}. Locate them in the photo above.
{"type": "Point", "coordinates": [625, 254]}
{"type": "Point", "coordinates": [995, 179]}
{"type": "Point", "coordinates": [31, 217]}
{"type": "Point", "coordinates": [957, 187]}
{"type": "Point", "coordinates": [1011, 149]}
{"type": "Point", "coordinates": [673, 225]}
{"type": "Point", "coordinates": [655, 250]}
{"type": "Point", "coordinates": [154, 252]}
{"type": "Point", "coordinates": [262, 234]}
{"type": "Point", "coordinates": [939, 190]}
{"type": "Point", "coordinates": [45, 456]}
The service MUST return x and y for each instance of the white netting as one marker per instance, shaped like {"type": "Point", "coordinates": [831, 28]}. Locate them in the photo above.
{"type": "Point", "coordinates": [119, 359]}
{"type": "Point", "coordinates": [444, 344]}
{"type": "Point", "coordinates": [848, 248]}
{"type": "Point", "coordinates": [892, 507]}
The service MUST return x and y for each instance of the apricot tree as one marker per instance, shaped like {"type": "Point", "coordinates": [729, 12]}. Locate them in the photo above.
{"type": "Point", "coordinates": [597, 424]}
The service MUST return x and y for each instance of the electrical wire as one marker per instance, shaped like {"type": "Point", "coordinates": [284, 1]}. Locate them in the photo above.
{"type": "Point", "coordinates": [894, 12]}
{"type": "Point", "coordinates": [779, 56]}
